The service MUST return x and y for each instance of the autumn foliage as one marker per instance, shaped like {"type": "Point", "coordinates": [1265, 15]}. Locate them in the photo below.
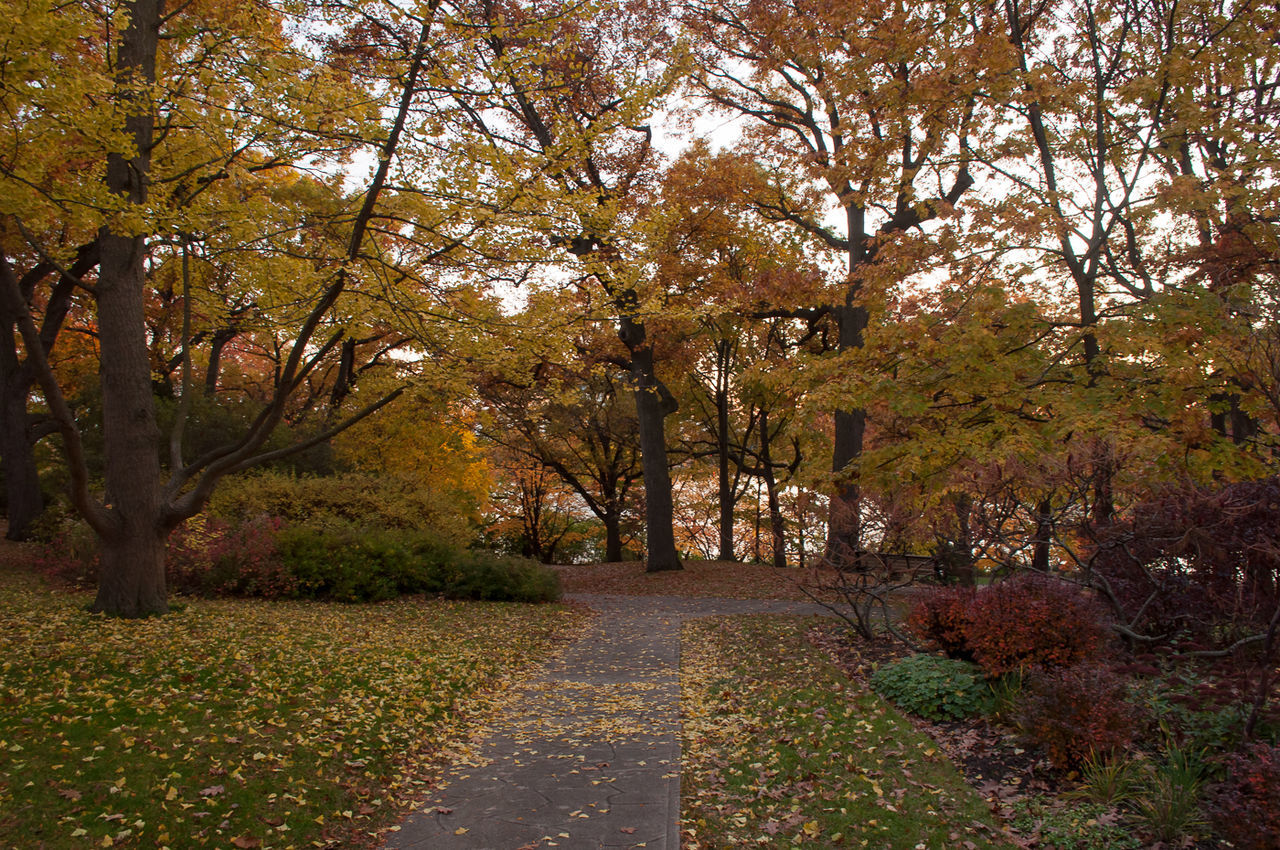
{"type": "Point", "coordinates": [1076, 713]}
{"type": "Point", "coordinates": [1246, 807]}
{"type": "Point", "coordinates": [1026, 622]}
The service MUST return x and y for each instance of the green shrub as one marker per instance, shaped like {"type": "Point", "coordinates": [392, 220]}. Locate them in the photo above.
{"type": "Point", "coordinates": [933, 687]}
{"type": "Point", "coordinates": [355, 565]}
{"type": "Point", "coordinates": [484, 575]}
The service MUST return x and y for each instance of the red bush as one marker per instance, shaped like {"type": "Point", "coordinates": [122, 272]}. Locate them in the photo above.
{"type": "Point", "coordinates": [212, 558]}
{"type": "Point", "coordinates": [1032, 621]}
{"type": "Point", "coordinates": [1027, 622]}
{"type": "Point", "coordinates": [941, 618]}
{"type": "Point", "coordinates": [1246, 807]}
{"type": "Point", "coordinates": [1076, 712]}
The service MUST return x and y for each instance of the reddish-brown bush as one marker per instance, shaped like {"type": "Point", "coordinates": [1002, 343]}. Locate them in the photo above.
{"type": "Point", "coordinates": [1246, 807]}
{"type": "Point", "coordinates": [1032, 621]}
{"type": "Point", "coordinates": [940, 617]}
{"type": "Point", "coordinates": [1027, 622]}
{"type": "Point", "coordinates": [1076, 712]}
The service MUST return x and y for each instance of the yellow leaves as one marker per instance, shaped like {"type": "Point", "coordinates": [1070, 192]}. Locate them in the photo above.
{"type": "Point", "coordinates": [199, 696]}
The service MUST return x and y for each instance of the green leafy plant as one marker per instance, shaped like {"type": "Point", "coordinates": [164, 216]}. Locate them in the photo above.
{"type": "Point", "coordinates": [933, 687]}
{"type": "Point", "coordinates": [1088, 826]}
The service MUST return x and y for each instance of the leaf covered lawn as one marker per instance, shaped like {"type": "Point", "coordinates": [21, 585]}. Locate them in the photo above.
{"type": "Point", "coordinates": [240, 723]}
{"type": "Point", "coordinates": [780, 749]}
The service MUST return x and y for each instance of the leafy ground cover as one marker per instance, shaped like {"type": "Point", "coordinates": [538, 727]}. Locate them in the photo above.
{"type": "Point", "coordinates": [240, 723]}
{"type": "Point", "coordinates": [782, 749]}
{"type": "Point", "coordinates": [721, 579]}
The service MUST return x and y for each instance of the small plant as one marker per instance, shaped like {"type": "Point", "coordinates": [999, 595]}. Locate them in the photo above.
{"type": "Point", "coordinates": [1245, 808]}
{"type": "Point", "coordinates": [1006, 694]}
{"type": "Point", "coordinates": [1169, 808]}
{"type": "Point", "coordinates": [934, 688]}
{"type": "Point", "coordinates": [1076, 714]}
{"type": "Point", "coordinates": [1108, 779]}
{"type": "Point", "coordinates": [1088, 826]}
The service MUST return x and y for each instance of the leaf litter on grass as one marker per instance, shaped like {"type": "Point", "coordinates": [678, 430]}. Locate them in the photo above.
{"type": "Point", "coordinates": [780, 749]}
{"type": "Point", "coordinates": [241, 723]}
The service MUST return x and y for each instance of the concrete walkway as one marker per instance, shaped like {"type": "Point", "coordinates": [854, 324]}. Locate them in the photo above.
{"type": "Point", "coordinates": [589, 755]}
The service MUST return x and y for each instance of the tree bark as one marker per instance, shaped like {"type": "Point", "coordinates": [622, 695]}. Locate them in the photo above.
{"type": "Point", "coordinates": [777, 525]}
{"type": "Point", "coordinates": [23, 500]}
{"type": "Point", "coordinates": [612, 537]}
{"type": "Point", "coordinates": [131, 581]}
{"type": "Point", "coordinates": [723, 481]}
{"type": "Point", "coordinates": [1044, 535]}
{"type": "Point", "coordinates": [653, 404]}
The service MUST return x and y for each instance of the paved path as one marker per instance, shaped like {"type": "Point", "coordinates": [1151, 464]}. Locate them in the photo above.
{"type": "Point", "coordinates": [589, 756]}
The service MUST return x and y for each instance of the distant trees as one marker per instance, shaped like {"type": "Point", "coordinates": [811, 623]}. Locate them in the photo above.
{"type": "Point", "coordinates": [975, 276]}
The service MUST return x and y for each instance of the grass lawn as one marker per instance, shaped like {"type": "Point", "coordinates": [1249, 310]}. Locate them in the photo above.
{"type": "Point", "coordinates": [240, 723]}
{"type": "Point", "coordinates": [782, 750]}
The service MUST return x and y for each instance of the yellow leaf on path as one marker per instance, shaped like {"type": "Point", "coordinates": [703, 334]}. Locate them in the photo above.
{"type": "Point", "coordinates": [462, 830]}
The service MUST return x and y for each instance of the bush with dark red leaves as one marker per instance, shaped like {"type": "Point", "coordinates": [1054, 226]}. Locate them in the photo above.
{"type": "Point", "coordinates": [1245, 808]}
{"type": "Point", "coordinates": [1077, 713]}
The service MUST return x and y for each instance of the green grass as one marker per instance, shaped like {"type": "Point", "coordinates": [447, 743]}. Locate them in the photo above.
{"type": "Point", "coordinates": [782, 750]}
{"type": "Point", "coordinates": [239, 723]}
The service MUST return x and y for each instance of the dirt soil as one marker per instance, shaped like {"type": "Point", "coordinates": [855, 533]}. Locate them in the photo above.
{"type": "Point", "coordinates": [723, 579]}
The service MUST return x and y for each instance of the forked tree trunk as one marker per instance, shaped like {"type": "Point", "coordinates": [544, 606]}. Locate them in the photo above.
{"type": "Point", "coordinates": [653, 404]}
{"type": "Point", "coordinates": [777, 525]}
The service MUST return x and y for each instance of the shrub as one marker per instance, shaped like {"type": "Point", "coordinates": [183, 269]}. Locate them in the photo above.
{"type": "Point", "coordinates": [1077, 714]}
{"type": "Point", "coordinates": [354, 565]}
{"type": "Point", "coordinates": [70, 557]}
{"type": "Point", "coordinates": [1027, 622]}
{"type": "Point", "coordinates": [1245, 808]}
{"type": "Point", "coordinates": [211, 557]}
{"type": "Point", "coordinates": [1031, 622]}
{"type": "Point", "coordinates": [933, 687]}
{"type": "Point", "coordinates": [486, 576]}
{"type": "Point", "coordinates": [941, 618]}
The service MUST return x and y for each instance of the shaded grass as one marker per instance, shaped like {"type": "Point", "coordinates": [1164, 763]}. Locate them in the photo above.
{"type": "Point", "coordinates": [782, 750]}
{"type": "Point", "coordinates": [240, 723]}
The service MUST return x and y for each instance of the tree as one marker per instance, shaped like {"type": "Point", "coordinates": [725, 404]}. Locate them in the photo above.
{"type": "Point", "coordinates": [140, 197]}
{"type": "Point", "coordinates": [570, 127]}
{"type": "Point", "coordinates": [868, 108]}
{"type": "Point", "coordinates": [571, 417]}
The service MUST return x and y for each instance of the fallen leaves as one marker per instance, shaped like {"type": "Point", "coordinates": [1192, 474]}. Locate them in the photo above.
{"type": "Point", "coordinates": [782, 749]}
{"type": "Point", "coordinates": [232, 722]}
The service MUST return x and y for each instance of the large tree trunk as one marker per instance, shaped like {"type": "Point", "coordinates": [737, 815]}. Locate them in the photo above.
{"type": "Point", "coordinates": [844, 530]}
{"type": "Point", "coordinates": [653, 404]}
{"type": "Point", "coordinates": [1044, 536]}
{"type": "Point", "coordinates": [131, 581]}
